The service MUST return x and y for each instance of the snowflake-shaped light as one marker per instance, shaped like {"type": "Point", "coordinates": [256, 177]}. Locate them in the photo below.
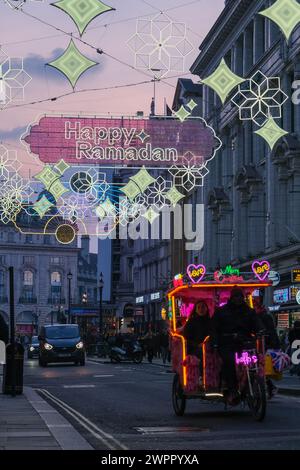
{"type": "Point", "coordinates": [13, 79]}
{"type": "Point", "coordinates": [160, 45]}
{"type": "Point", "coordinates": [9, 164]}
{"type": "Point", "coordinates": [155, 195]}
{"type": "Point", "coordinates": [92, 184]}
{"type": "Point", "coordinates": [128, 211]}
{"type": "Point", "coordinates": [189, 175]}
{"type": "Point", "coordinates": [15, 193]}
{"type": "Point", "coordinates": [260, 98]}
{"type": "Point", "coordinates": [73, 208]}
{"type": "Point", "coordinates": [17, 4]}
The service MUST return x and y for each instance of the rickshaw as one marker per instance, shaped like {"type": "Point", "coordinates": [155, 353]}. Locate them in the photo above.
{"type": "Point", "coordinates": [189, 381]}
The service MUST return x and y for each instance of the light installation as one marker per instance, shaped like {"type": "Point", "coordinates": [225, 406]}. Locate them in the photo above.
{"type": "Point", "coordinates": [261, 269]}
{"type": "Point", "coordinates": [196, 272]}
{"type": "Point", "coordinates": [285, 14]}
{"type": "Point", "coordinates": [13, 79]}
{"type": "Point", "coordinates": [17, 4]}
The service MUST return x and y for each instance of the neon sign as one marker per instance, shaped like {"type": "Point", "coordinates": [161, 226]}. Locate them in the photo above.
{"type": "Point", "coordinates": [246, 359]}
{"type": "Point", "coordinates": [196, 272]}
{"type": "Point", "coordinates": [261, 269]}
{"type": "Point", "coordinates": [230, 271]}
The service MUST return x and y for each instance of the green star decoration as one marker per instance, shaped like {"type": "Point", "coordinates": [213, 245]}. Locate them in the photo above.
{"type": "Point", "coordinates": [271, 132]}
{"type": "Point", "coordinates": [57, 189]}
{"type": "Point", "coordinates": [174, 196]}
{"type": "Point", "coordinates": [47, 176]}
{"type": "Point", "coordinates": [131, 190]}
{"type": "Point", "coordinates": [82, 12]}
{"type": "Point", "coordinates": [223, 80]}
{"type": "Point", "coordinates": [150, 215]}
{"type": "Point", "coordinates": [285, 13]}
{"type": "Point", "coordinates": [142, 179]}
{"type": "Point", "coordinates": [192, 105]}
{"type": "Point", "coordinates": [62, 167]}
{"type": "Point", "coordinates": [72, 63]}
{"type": "Point", "coordinates": [182, 114]}
{"type": "Point", "coordinates": [42, 206]}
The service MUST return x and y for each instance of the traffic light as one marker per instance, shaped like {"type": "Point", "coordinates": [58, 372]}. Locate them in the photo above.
{"type": "Point", "coordinates": [84, 298]}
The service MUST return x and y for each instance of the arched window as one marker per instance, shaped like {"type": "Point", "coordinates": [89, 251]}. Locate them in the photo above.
{"type": "Point", "coordinates": [28, 278]}
{"type": "Point", "coordinates": [55, 279]}
{"type": "Point", "coordinates": [55, 287]}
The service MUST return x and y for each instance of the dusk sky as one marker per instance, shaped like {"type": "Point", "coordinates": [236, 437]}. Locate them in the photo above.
{"type": "Point", "coordinates": [38, 43]}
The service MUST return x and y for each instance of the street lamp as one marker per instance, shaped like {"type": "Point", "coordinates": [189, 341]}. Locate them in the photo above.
{"type": "Point", "coordinates": [101, 285]}
{"type": "Point", "coordinates": [70, 277]}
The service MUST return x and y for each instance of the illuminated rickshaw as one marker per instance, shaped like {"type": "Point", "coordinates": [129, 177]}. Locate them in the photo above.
{"type": "Point", "coordinates": [189, 381]}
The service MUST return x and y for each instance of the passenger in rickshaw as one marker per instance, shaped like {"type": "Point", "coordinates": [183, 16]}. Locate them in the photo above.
{"type": "Point", "coordinates": [197, 328]}
{"type": "Point", "coordinates": [233, 325]}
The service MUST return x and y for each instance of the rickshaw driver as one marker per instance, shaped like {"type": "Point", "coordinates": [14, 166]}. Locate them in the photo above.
{"type": "Point", "coordinates": [233, 324]}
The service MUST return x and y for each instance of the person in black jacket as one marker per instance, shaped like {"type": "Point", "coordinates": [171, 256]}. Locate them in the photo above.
{"type": "Point", "coordinates": [3, 330]}
{"type": "Point", "coordinates": [233, 325]}
{"type": "Point", "coordinates": [197, 328]}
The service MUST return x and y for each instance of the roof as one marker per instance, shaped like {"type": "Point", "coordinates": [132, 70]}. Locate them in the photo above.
{"type": "Point", "coordinates": [185, 86]}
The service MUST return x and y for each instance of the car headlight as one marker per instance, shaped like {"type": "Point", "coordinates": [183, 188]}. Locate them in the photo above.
{"type": "Point", "coordinates": [31, 348]}
{"type": "Point", "coordinates": [48, 346]}
{"type": "Point", "coordinates": [79, 345]}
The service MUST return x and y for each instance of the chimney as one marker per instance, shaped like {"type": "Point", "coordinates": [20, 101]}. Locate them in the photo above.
{"type": "Point", "coordinates": [85, 246]}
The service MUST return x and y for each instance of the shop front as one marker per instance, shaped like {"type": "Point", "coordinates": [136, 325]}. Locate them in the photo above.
{"type": "Point", "coordinates": [286, 306]}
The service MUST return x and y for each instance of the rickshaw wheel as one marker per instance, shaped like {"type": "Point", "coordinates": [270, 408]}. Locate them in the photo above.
{"type": "Point", "coordinates": [258, 403]}
{"type": "Point", "coordinates": [178, 398]}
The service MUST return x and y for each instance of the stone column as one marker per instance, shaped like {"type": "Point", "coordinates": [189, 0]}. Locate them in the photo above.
{"type": "Point", "coordinates": [259, 37]}
{"type": "Point", "coordinates": [248, 49]}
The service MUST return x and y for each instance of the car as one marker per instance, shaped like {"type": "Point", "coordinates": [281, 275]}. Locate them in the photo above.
{"type": "Point", "coordinates": [33, 348]}
{"type": "Point", "coordinates": [61, 343]}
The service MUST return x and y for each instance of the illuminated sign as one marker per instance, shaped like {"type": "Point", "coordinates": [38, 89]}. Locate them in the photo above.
{"type": "Point", "coordinates": [293, 292]}
{"type": "Point", "coordinates": [122, 142]}
{"type": "Point", "coordinates": [139, 300]}
{"type": "Point", "coordinates": [196, 272]}
{"type": "Point", "coordinates": [230, 271]}
{"type": "Point", "coordinates": [246, 359]}
{"type": "Point", "coordinates": [296, 275]}
{"type": "Point", "coordinates": [280, 296]}
{"type": "Point", "coordinates": [283, 320]}
{"type": "Point", "coordinates": [298, 297]}
{"type": "Point", "coordinates": [155, 296]}
{"type": "Point", "coordinates": [178, 280]}
{"type": "Point", "coordinates": [261, 269]}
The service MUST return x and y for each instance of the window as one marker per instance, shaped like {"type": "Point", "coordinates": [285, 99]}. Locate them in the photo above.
{"type": "Point", "coordinates": [2, 259]}
{"type": "Point", "coordinates": [47, 240]}
{"type": "Point", "coordinates": [55, 287]}
{"type": "Point", "coordinates": [28, 259]}
{"type": "Point", "coordinates": [2, 285]}
{"type": "Point", "coordinates": [28, 278]}
{"type": "Point", "coordinates": [56, 260]}
{"type": "Point", "coordinates": [27, 286]}
{"type": "Point", "coordinates": [28, 239]}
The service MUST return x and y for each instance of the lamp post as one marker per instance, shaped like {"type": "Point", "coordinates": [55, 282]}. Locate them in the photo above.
{"type": "Point", "coordinates": [70, 277]}
{"type": "Point", "coordinates": [101, 285]}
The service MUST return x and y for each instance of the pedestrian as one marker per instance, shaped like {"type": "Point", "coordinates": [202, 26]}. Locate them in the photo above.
{"type": "Point", "coordinates": [3, 330]}
{"type": "Point", "coordinates": [164, 345]}
{"type": "Point", "coordinates": [149, 343]}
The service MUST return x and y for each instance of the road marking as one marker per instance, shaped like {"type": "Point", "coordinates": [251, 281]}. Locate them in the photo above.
{"type": "Point", "coordinates": [78, 386]}
{"type": "Point", "coordinates": [102, 376]}
{"type": "Point", "coordinates": [107, 439]}
{"type": "Point", "coordinates": [170, 430]}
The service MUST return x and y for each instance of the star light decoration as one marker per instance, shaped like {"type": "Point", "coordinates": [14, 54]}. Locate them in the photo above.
{"type": "Point", "coordinates": [285, 13]}
{"type": "Point", "coordinates": [17, 4]}
{"type": "Point", "coordinates": [160, 45]}
{"type": "Point", "coordinates": [271, 132]}
{"type": "Point", "coordinates": [13, 79]}
{"type": "Point", "coordinates": [223, 81]}
{"type": "Point", "coordinates": [72, 63]}
{"type": "Point", "coordinates": [189, 175]}
{"type": "Point", "coordinates": [82, 12]}
{"type": "Point", "coordinates": [260, 98]}
{"type": "Point", "coordinates": [9, 164]}
{"type": "Point", "coordinates": [14, 194]}
{"type": "Point", "coordinates": [91, 183]}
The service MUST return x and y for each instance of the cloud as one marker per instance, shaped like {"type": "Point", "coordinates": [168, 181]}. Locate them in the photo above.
{"type": "Point", "coordinates": [12, 134]}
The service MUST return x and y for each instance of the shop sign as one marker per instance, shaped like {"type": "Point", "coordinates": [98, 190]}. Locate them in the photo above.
{"type": "Point", "coordinates": [281, 296]}
{"type": "Point", "coordinates": [283, 320]}
{"type": "Point", "coordinates": [274, 277]}
{"type": "Point", "coordinates": [295, 274]}
{"type": "Point", "coordinates": [139, 312]}
{"type": "Point", "coordinates": [155, 296]}
{"type": "Point", "coordinates": [139, 300]}
{"type": "Point", "coordinates": [293, 292]}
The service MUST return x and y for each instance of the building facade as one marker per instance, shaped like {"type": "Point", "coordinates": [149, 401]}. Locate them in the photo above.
{"type": "Point", "coordinates": [41, 266]}
{"type": "Point", "coordinates": [252, 194]}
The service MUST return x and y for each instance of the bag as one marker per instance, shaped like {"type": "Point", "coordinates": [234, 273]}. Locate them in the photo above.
{"type": "Point", "coordinates": [269, 369]}
{"type": "Point", "coordinates": [280, 360]}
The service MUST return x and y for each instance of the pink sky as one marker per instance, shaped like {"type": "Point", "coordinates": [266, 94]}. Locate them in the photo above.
{"type": "Point", "coordinates": [22, 36]}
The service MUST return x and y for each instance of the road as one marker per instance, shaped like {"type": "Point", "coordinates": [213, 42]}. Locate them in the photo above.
{"type": "Point", "coordinates": [128, 406]}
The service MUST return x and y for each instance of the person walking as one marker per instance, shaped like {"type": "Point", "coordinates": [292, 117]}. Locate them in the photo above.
{"type": "Point", "coordinates": [164, 345]}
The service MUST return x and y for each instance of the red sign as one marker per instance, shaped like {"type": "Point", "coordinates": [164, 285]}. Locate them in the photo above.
{"type": "Point", "coordinates": [24, 329]}
{"type": "Point", "coordinates": [158, 142]}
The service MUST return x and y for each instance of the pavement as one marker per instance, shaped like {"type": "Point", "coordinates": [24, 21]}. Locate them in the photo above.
{"type": "Point", "coordinates": [128, 406]}
{"type": "Point", "coordinates": [28, 422]}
